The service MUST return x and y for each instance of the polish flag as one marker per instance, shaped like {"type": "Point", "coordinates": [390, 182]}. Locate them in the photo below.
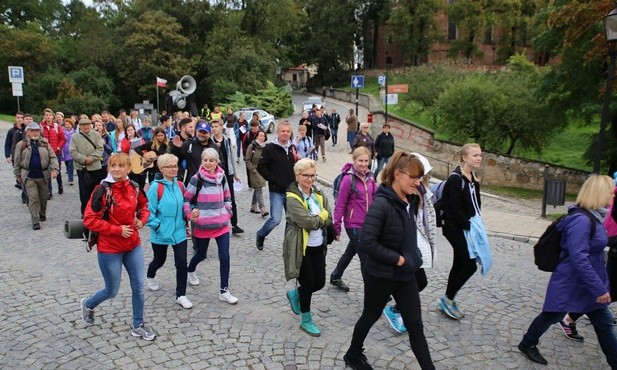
{"type": "Point", "coordinates": [161, 82]}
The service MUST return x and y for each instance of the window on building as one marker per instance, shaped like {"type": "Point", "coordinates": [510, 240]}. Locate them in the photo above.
{"type": "Point", "coordinates": [294, 77]}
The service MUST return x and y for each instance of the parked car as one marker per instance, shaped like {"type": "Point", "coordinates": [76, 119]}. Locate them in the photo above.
{"type": "Point", "coordinates": [266, 120]}
{"type": "Point", "coordinates": [308, 103]}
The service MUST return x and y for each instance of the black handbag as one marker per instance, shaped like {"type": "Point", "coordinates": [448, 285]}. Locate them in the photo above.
{"type": "Point", "coordinates": [330, 234]}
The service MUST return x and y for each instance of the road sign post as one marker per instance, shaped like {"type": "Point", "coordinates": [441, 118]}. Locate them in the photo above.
{"type": "Point", "coordinates": [16, 78]}
{"type": "Point", "coordinates": [357, 82]}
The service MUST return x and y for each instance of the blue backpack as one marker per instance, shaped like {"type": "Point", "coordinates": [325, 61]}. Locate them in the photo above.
{"type": "Point", "coordinates": [438, 199]}
{"type": "Point", "coordinates": [336, 184]}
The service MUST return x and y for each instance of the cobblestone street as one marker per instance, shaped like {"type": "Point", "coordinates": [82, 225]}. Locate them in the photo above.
{"type": "Point", "coordinates": [44, 276]}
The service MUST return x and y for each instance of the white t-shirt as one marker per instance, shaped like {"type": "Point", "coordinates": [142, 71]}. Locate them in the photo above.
{"type": "Point", "coordinates": [315, 238]}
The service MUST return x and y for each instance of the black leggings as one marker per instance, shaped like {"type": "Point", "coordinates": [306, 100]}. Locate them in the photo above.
{"type": "Point", "coordinates": [376, 294]}
{"type": "Point", "coordinates": [463, 267]}
{"type": "Point", "coordinates": [312, 275]}
{"type": "Point", "coordinates": [160, 255]}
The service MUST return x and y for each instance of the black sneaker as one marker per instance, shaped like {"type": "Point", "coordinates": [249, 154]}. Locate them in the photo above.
{"type": "Point", "coordinates": [259, 242]}
{"type": "Point", "coordinates": [356, 361]}
{"type": "Point", "coordinates": [42, 218]}
{"type": "Point", "coordinates": [24, 200]}
{"type": "Point", "coordinates": [236, 230]}
{"type": "Point", "coordinates": [532, 353]}
{"type": "Point", "coordinates": [36, 226]}
{"type": "Point", "coordinates": [60, 190]}
{"type": "Point", "coordinates": [570, 331]}
{"type": "Point", "coordinates": [49, 196]}
{"type": "Point", "coordinates": [339, 284]}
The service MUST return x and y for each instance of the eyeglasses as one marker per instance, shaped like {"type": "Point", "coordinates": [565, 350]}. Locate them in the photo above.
{"type": "Point", "coordinates": [171, 166]}
{"type": "Point", "coordinates": [411, 177]}
{"type": "Point", "coordinates": [210, 160]}
{"type": "Point", "coordinates": [307, 176]}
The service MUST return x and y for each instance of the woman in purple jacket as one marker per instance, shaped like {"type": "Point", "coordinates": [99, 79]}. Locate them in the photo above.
{"type": "Point", "coordinates": [356, 193]}
{"type": "Point", "coordinates": [580, 282]}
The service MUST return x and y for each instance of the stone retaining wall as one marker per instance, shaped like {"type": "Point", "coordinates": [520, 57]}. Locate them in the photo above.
{"type": "Point", "coordinates": [497, 169]}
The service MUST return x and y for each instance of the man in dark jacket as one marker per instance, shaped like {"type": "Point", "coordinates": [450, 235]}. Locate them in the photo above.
{"type": "Point", "coordinates": [9, 149]}
{"type": "Point", "coordinates": [319, 126]}
{"type": "Point", "coordinates": [334, 119]}
{"type": "Point", "coordinates": [276, 166]}
{"type": "Point", "coordinates": [191, 149]}
{"type": "Point", "coordinates": [384, 147]}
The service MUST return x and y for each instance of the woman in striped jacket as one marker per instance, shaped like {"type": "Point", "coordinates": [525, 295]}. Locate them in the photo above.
{"type": "Point", "coordinates": [207, 203]}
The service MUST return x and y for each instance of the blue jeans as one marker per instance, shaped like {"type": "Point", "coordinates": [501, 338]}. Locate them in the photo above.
{"type": "Point", "coordinates": [111, 268]}
{"type": "Point", "coordinates": [601, 319]}
{"type": "Point", "coordinates": [277, 206]}
{"type": "Point", "coordinates": [350, 137]}
{"type": "Point", "coordinates": [350, 251]}
{"type": "Point", "coordinates": [70, 169]}
{"type": "Point", "coordinates": [58, 178]}
{"type": "Point", "coordinates": [381, 162]}
{"type": "Point", "coordinates": [201, 250]}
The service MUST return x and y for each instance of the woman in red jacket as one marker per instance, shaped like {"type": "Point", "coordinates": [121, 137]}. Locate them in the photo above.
{"type": "Point", "coordinates": [116, 211]}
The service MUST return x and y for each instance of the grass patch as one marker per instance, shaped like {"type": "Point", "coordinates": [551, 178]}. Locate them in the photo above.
{"type": "Point", "coordinates": [7, 118]}
{"type": "Point", "coordinates": [510, 192]}
{"type": "Point", "coordinates": [565, 148]}
{"type": "Point", "coordinates": [553, 216]}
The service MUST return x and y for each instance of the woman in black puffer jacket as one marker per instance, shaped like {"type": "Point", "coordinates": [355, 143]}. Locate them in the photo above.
{"type": "Point", "coordinates": [389, 242]}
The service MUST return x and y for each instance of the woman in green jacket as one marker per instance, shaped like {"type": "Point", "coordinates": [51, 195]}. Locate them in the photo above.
{"type": "Point", "coordinates": [304, 247]}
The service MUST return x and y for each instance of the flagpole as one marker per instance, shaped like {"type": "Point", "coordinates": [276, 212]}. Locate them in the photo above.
{"type": "Point", "coordinates": [158, 108]}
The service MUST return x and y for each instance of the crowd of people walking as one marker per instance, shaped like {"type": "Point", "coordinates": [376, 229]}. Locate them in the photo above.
{"type": "Point", "coordinates": [178, 179]}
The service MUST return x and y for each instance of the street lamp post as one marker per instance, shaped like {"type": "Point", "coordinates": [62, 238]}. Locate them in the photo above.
{"type": "Point", "coordinates": [610, 26]}
{"type": "Point", "coordinates": [388, 62]}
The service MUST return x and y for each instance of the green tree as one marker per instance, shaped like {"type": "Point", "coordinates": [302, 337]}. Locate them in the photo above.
{"type": "Point", "coordinates": [153, 47]}
{"type": "Point", "coordinates": [415, 28]}
{"type": "Point", "coordinates": [19, 13]}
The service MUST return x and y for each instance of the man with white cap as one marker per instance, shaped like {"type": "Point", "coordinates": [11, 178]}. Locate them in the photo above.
{"type": "Point", "coordinates": [86, 148]}
{"type": "Point", "coordinates": [35, 165]}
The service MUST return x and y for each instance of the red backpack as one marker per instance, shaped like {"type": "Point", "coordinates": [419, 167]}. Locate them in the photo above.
{"type": "Point", "coordinates": [161, 188]}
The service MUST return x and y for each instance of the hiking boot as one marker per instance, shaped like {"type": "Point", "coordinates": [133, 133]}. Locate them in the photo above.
{"type": "Point", "coordinates": [449, 307]}
{"type": "Point", "coordinates": [308, 326]}
{"type": "Point", "coordinates": [42, 218]}
{"type": "Point", "coordinates": [356, 361]}
{"type": "Point", "coordinates": [87, 315]}
{"type": "Point", "coordinates": [49, 196]}
{"type": "Point", "coordinates": [294, 300]}
{"type": "Point", "coordinates": [532, 353]}
{"type": "Point", "coordinates": [192, 277]}
{"type": "Point", "coordinates": [339, 284]}
{"type": "Point", "coordinates": [570, 331]}
{"type": "Point", "coordinates": [143, 332]}
{"type": "Point", "coordinates": [153, 284]}
{"type": "Point", "coordinates": [254, 208]}
{"type": "Point", "coordinates": [36, 226]}
{"type": "Point", "coordinates": [184, 302]}
{"type": "Point", "coordinates": [228, 297]}
{"type": "Point", "coordinates": [394, 318]}
{"type": "Point", "coordinates": [259, 242]}
{"type": "Point", "coordinates": [236, 230]}
{"type": "Point", "coordinates": [60, 190]}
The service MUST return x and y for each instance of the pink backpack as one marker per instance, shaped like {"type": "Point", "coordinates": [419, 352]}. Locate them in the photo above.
{"type": "Point", "coordinates": [609, 223]}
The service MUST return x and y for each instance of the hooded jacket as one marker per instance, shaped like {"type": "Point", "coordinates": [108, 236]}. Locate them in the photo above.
{"type": "Point", "coordinates": [129, 202]}
{"type": "Point", "coordinates": [276, 165]}
{"type": "Point", "coordinates": [351, 205]}
{"type": "Point", "coordinates": [299, 222]}
{"type": "Point", "coordinates": [213, 203]}
{"type": "Point", "coordinates": [390, 232]}
{"type": "Point", "coordinates": [580, 278]}
{"type": "Point", "coordinates": [459, 207]}
{"type": "Point", "coordinates": [167, 222]}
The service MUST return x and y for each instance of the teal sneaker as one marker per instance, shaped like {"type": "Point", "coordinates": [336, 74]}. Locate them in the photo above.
{"type": "Point", "coordinates": [449, 307]}
{"type": "Point", "coordinates": [294, 300]}
{"type": "Point", "coordinates": [394, 318]}
{"type": "Point", "coordinates": [308, 326]}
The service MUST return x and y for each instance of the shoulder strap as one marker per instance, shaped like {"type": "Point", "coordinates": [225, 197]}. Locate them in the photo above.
{"type": "Point", "coordinates": [87, 138]}
{"type": "Point", "coordinates": [592, 220]}
{"type": "Point", "coordinates": [200, 184]}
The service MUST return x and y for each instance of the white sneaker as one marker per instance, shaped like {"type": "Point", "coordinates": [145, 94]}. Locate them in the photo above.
{"type": "Point", "coordinates": [227, 297]}
{"type": "Point", "coordinates": [184, 302]}
{"type": "Point", "coordinates": [193, 280]}
{"type": "Point", "coordinates": [152, 284]}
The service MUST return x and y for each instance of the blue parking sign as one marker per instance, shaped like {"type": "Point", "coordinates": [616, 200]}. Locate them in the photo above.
{"type": "Point", "coordinates": [16, 74]}
{"type": "Point", "coordinates": [357, 82]}
{"type": "Point", "coordinates": [381, 80]}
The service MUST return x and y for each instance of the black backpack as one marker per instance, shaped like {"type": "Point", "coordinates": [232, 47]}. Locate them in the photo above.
{"type": "Point", "coordinates": [546, 252]}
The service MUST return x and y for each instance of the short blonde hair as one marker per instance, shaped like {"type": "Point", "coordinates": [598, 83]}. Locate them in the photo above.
{"type": "Point", "coordinates": [363, 125]}
{"type": "Point", "coordinates": [166, 159]}
{"type": "Point", "coordinates": [120, 158]}
{"type": "Point", "coordinates": [301, 128]}
{"type": "Point", "coordinates": [304, 164]}
{"type": "Point", "coordinates": [596, 192]}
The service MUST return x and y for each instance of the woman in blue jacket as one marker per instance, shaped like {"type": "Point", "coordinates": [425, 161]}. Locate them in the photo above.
{"type": "Point", "coordinates": [168, 226]}
{"type": "Point", "coordinates": [580, 281]}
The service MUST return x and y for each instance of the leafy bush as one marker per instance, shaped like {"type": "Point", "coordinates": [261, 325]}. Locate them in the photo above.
{"type": "Point", "coordinates": [276, 100]}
